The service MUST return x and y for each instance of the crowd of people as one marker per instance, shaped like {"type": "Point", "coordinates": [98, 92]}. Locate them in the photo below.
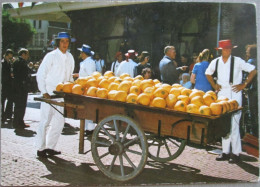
{"type": "Point", "coordinates": [224, 75]}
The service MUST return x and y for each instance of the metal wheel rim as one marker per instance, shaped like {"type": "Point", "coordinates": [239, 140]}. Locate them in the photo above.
{"type": "Point", "coordinates": [118, 145]}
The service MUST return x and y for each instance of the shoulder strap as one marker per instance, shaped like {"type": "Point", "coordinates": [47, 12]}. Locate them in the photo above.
{"type": "Point", "coordinates": [215, 74]}
{"type": "Point", "coordinates": [113, 66]}
{"type": "Point", "coordinates": [231, 70]}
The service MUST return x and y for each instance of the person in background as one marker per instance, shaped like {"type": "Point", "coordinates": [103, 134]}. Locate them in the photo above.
{"type": "Point", "coordinates": [231, 87]}
{"type": "Point", "coordinates": [87, 67]}
{"type": "Point", "coordinates": [185, 61]}
{"type": "Point", "coordinates": [143, 63]}
{"type": "Point", "coordinates": [100, 63]}
{"type": "Point", "coordinates": [7, 86]}
{"type": "Point", "coordinates": [57, 66]}
{"type": "Point", "coordinates": [251, 54]}
{"type": "Point", "coordinates": [21, 87]}
{"type": "Point", "coordinates": [128, 65]}
{"type": "Point", "coordinates": [193, 62]}
{"type": "Point", "coordinates": [185, 81]}
{"type": "Point", "coordinates": [198, 76]}
{"type": "Point", "coordinates": [119, 59]}
{"type": "Point", "coordinates": [169, 69]}
{"type": "Point", "coordinates": [147, 73]}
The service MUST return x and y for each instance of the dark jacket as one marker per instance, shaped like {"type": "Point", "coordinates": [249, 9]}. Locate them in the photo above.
{"type": "Point", "coordinates": [6, 73]}
{"type": "Point", "coordinates": [139, 68]}
{"type": "Point", "coordinates": [169, 72]}
{"type": "Point", "coordinates": [21, 75]}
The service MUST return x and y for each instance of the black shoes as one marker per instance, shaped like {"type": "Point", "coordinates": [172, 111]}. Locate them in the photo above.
{"type": "Point", "coordinates": [47, 152]}
{"type": "Point", "coordinates": [223, 157]}
{"type": "Point", "coordinates": [52, 152]}
{"type": "Point", "coordinates": [234, 159]}
{"type": "Point", "coordinates": [42, 154]}
{"type": "Point", "coordinates": [88, 133]}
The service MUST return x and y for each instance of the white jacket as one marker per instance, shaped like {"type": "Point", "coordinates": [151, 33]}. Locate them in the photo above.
{"type": "Point", "coordinates": [87, 67]}
{"type": "Point", "coordinates": [55, 68]}
{"type": "Point", "coordinates": [126, 67]}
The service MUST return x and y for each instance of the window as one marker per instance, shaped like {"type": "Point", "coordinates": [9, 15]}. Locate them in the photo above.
{"type": "Point", "coordinates": [34, 23]}
{"type": "Point", "coordinates": [40, 24]}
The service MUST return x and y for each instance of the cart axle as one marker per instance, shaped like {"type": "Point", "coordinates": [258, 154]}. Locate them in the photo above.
{"type": "Point", "coordinates": [116, 149]}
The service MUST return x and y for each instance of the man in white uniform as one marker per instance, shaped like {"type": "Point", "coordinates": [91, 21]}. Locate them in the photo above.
{"type": "Point", "coordinates": [119, 59]}
{"type": "Point", "coordinates": [87, 67]}
{"type": "Point", "coordinates": [100, 63]}
{"type": "Point", "coordinates": [57, 66]}
{"type": "Point", "coordinates": [128, 65]}
{"type": "Point", "coordinates": [231, 90]}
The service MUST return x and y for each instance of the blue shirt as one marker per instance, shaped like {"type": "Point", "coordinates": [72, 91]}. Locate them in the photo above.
{"type": "Point", "coordinates": [186, 84]}
{"type": "Point", "coordinates": [201, 82]}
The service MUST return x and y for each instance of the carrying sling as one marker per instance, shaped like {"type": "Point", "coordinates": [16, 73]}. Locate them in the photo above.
{"type": "Point", "coordinates": [215, 74]}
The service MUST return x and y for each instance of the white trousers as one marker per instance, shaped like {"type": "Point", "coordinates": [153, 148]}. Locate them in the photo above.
{"type": "Point", "coordinates": [233, 138]}
{"type": "Point", "coordinates": [50, 128]}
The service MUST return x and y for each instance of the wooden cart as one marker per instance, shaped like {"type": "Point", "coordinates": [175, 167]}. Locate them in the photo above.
{"type": "Point", "coordinates": [127, 134]}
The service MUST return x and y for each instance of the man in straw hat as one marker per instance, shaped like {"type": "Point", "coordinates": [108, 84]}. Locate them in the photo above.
{"type": "Point", "coordinates": [229, 84]}
{"type": "Point", "coordinates": [56, 67]}
{"type": "Point", "coordinates": [87, 67]}
{"type": "Point", "coordinates": [128, 65]}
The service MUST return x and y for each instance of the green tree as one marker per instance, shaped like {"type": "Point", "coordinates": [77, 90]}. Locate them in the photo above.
{"type": "Point", "coordinates": [16, 33]}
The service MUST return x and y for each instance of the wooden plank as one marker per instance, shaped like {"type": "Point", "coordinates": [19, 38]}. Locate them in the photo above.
{"type": "Point", "coordinates": [81, 136]}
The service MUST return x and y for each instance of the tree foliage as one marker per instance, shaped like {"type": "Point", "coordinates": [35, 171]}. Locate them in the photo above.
{"type": "Point", "coordinates": [16, 33]}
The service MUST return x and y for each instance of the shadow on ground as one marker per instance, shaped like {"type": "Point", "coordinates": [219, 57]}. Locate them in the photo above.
{"type": "Point", "coordinates": [69, 130]}
{"type": "Point", "coordinates": [158, 173]}
{"type": "Point", "coordinates": [24, 132]}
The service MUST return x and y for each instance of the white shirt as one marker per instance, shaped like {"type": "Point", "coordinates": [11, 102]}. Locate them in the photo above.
{"type": "Point", "coordinates": [224, 70]}
{"type": "Point", "coordinates": [55, 68]}
{"type": "Point", "coordinates": [126, 67]}
{"type": "Point", "coordinates": [115, 66]}
{"type": "Point", "coordinates": [99, 65]}
{"type": "Point", "coordinates": [87, 67]}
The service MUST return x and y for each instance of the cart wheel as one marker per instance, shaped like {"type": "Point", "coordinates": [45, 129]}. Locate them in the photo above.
{"type": "Point", "coordinates": [119, 147]}
{"type": "Point", "coordinates": [164, 148]}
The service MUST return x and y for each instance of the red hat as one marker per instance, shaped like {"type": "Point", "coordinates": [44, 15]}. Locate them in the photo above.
{"type": "Point", "coordinates": [225, 44]}
{"type": "Point", "coordinates": [118, 54]}
{"type": "Point", "coordinates": [131, 53]}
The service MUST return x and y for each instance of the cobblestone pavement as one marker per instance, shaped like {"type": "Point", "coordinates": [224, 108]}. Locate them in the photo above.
{"type": "Point", "coordinates": [21, 167]}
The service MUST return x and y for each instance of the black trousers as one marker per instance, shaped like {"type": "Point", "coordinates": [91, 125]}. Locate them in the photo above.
{"type": "Point", "coordinates": [7, 110]}
{"type": "Point", "coordinates": [19, 109]}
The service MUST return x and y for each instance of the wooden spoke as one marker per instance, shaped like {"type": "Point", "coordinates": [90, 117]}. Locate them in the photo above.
{"type": "Point", "coordinates": [102, 156]}
{"type": "Point", "coordinates": [167, 147]}
{"type": "Point", "coordinates": [116, 128]}
{"type": "Point", "coordinates": [103, 143]}
{"type": "Point", "coordinates": [125, 133]}
{"type": "Point", "coordinates": [129, 161]}
{"type": "Point", "coordinates": [132, 151]}
{"type": "Point", "coordinates": [108, 134]}
{"type": "Point", "coordinates": [121, 165]}
{"type": "Point", "coordinates": [112, 163]}
{"type": "Point", "coordinates": [131, 141]}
